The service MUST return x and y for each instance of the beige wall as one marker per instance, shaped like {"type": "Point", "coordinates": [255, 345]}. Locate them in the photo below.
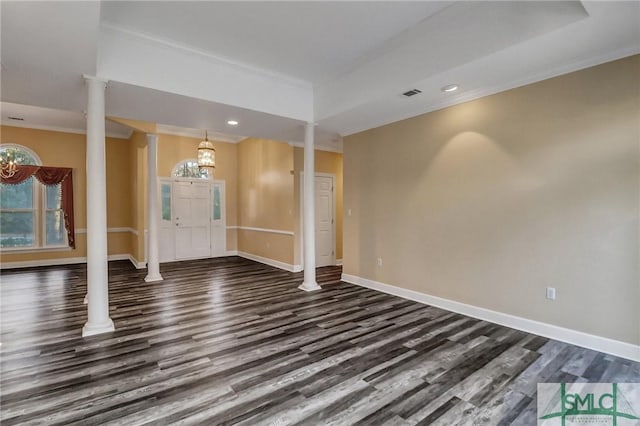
{"type": "Point", "coordinates": [265, 198]}
{"type": "Point", "coordinates": [69, 150]}
{"type": "Point", "coordinates": [489, 202]}
{"type": "Point", "coordinates": [324, 162]}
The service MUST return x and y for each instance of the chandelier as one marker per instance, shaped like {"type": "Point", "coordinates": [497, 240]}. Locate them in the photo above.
{"type": "Point", "coordinates": [9, 167]}
{"type": "Point", "coordinates": [207, 156]}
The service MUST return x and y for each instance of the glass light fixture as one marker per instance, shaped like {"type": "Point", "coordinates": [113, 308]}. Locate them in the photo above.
{"type": "Point", "coordinates": [9, 166]}
{"type": "Point", "coordinates": [207, 156]}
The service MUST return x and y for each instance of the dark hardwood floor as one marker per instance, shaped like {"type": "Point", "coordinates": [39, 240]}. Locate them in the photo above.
{"type": "Point", "coordinates": [230, 341]}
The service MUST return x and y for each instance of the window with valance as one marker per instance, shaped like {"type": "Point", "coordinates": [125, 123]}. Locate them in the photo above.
{"type": "Point", "coordinates": [36, 202]}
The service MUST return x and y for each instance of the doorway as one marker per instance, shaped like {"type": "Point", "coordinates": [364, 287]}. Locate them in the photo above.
{"type": "Point", "coordinates": [193, 223]}
{"type": "Point", "coordinates": [324, 203]}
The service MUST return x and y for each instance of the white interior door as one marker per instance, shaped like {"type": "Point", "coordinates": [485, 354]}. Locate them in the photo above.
{"type": "Point", "coordinates": [191, 201]}
{"type": "Point", "coordinates": [218, 220]}
{"type": "Point", "coordinates": [324, 220]}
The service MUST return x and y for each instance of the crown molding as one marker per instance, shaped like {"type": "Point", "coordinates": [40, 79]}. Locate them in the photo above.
{"type": "Point", "coordinates": [197, 134]}
{"type": "Point", "coordinates": [525, 80]}
{"type": "Point", "coordinates": [62, 129]}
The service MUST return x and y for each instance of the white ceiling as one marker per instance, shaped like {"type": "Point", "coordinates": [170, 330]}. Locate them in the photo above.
{"type": "Point", "coordinates": [46, 47]}
{"type": "Point", "coordinates": [274, 65]}
{"type": "Point", "coordinates": [53, 119]}
{"type": "Point", "coordinates": [311, 41]}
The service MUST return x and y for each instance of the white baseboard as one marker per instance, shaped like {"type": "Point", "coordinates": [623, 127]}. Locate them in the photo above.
{"type": "Point", "coordinates": [136, 263]}
{"type": "Point", "coordinates": [67, 261]}
{"type": "Point", "coordinates": [43, 262]}
{"type": "Point", "coordinates": [338, 262]}
{"type": "Point", "coordinates": [231, 253]}
{"type": "Point", "coordinates": [574, 337]}
{"type": "Point", "coordinates": [275, 263]}
{"type": "Point", "coordinates": [297, 268]}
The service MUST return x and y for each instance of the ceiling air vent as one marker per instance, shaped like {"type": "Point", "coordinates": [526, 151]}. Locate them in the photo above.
{"type": "Point", "coordinates": [16, 118]}
{"type": "Point", "coordinates": [412, 92]}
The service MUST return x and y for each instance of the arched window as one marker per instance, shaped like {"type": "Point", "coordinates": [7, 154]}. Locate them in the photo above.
{"type": "Point", "coordinates": [19, 154]}
{"type": "Point", "coordinates": [30, 213]}
{"type": "Point", "coordinates": [189, 169]}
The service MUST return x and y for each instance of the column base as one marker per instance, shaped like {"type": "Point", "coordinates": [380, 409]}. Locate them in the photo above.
{"type": "Point", "coordinates": [152, 278]}
{"type": "Point", "coordinates": [309, 286]}
{"type": "Point", "coordinates": [93, 329]}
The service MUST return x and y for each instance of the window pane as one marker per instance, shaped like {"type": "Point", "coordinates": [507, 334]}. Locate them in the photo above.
{"type": "Point", "coordinates": [190, 169]}
{"type": "Point", "coordinates": [17, 196]}
{"type": "Point", "coordinates": [17, 155]}
{"type": "Point", "coordinates": [55, 232]}
{"type": "Point", "coordinates": [16, 229]}
{"type": "Point", "coordinates": [166, 201]}
{"type": "Point", "coordinates": [217, 214]}
{"type": "Point", "coordinates": [53, 197]}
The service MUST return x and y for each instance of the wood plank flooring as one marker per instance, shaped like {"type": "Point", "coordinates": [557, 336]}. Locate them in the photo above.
{"type": "Point", "coordinates": [230, 341]}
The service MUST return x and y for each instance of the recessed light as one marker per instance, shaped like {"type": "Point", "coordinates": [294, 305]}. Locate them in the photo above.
{"type": "Point", "coordinates": [450, 88]}
{"type": "Point", "coordinates": [232, 122]}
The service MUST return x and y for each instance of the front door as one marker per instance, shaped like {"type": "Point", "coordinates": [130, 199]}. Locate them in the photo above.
{"type": "Point", "coordinates": [191, 201]}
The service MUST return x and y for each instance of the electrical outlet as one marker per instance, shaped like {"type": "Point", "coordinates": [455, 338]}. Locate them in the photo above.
{"type": "Point", "coordinates": [379, 261]}
{"type": "Point", "coordinates": [551, 293]}
{"type": "Point", "coordinates": [268, 244]}
{"type": "Point", "coordinates": [349, 212]}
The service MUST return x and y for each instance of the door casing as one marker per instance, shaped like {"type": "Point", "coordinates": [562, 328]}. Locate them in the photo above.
{"type": "Point", "coordinates": [167, 241]}
{"type": "Point", "coordinates": [333, 224]}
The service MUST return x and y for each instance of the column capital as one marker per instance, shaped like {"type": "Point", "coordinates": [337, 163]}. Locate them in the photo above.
{"type": "Point", "coordinates": [152, 137]}
{"type": "Point", "coordinates": [93, 78]}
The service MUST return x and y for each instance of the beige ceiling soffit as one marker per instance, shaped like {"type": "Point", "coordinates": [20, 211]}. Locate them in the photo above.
{"type": "Point", "coordinates": [142, 126]}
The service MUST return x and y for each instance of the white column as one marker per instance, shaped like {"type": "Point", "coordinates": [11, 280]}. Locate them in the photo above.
{"type": "Point", "coordinates": [308, 216]}
{"type": "Point", "coordinates": [153, 209]}
{"type": "Point", "coordinates": [97, 268]}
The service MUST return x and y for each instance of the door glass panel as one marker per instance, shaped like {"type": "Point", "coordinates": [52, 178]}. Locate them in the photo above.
{"type": "Point", "coordinates": [16, 229]}
{"type": "Point", "coordinates": [217, 213]}
{"type": "Point", "coordinates": [166, 201]}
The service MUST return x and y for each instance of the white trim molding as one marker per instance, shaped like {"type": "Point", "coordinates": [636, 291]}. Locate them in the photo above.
{"type": "Point", "coordinates": [110, 230]}
{"type": "Point", "coordinates": [275, 263]}
{"type": "Point", "coordinates": [58, 129]}
{"type": "Point", "coordinates": [66, 261]}
{"type": "Point", "coordinates": [338, 262]}
{"type": "Point", "coordinates": [163, 129]}
{"type": "Point", "coordinates": [137, 264]}
{"type": "Point", "coordinates": [272, 231]}
{"type": "Point", "coordinates": [319, 147]}
{"type": "Point", "coordinates": [574, 337]}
